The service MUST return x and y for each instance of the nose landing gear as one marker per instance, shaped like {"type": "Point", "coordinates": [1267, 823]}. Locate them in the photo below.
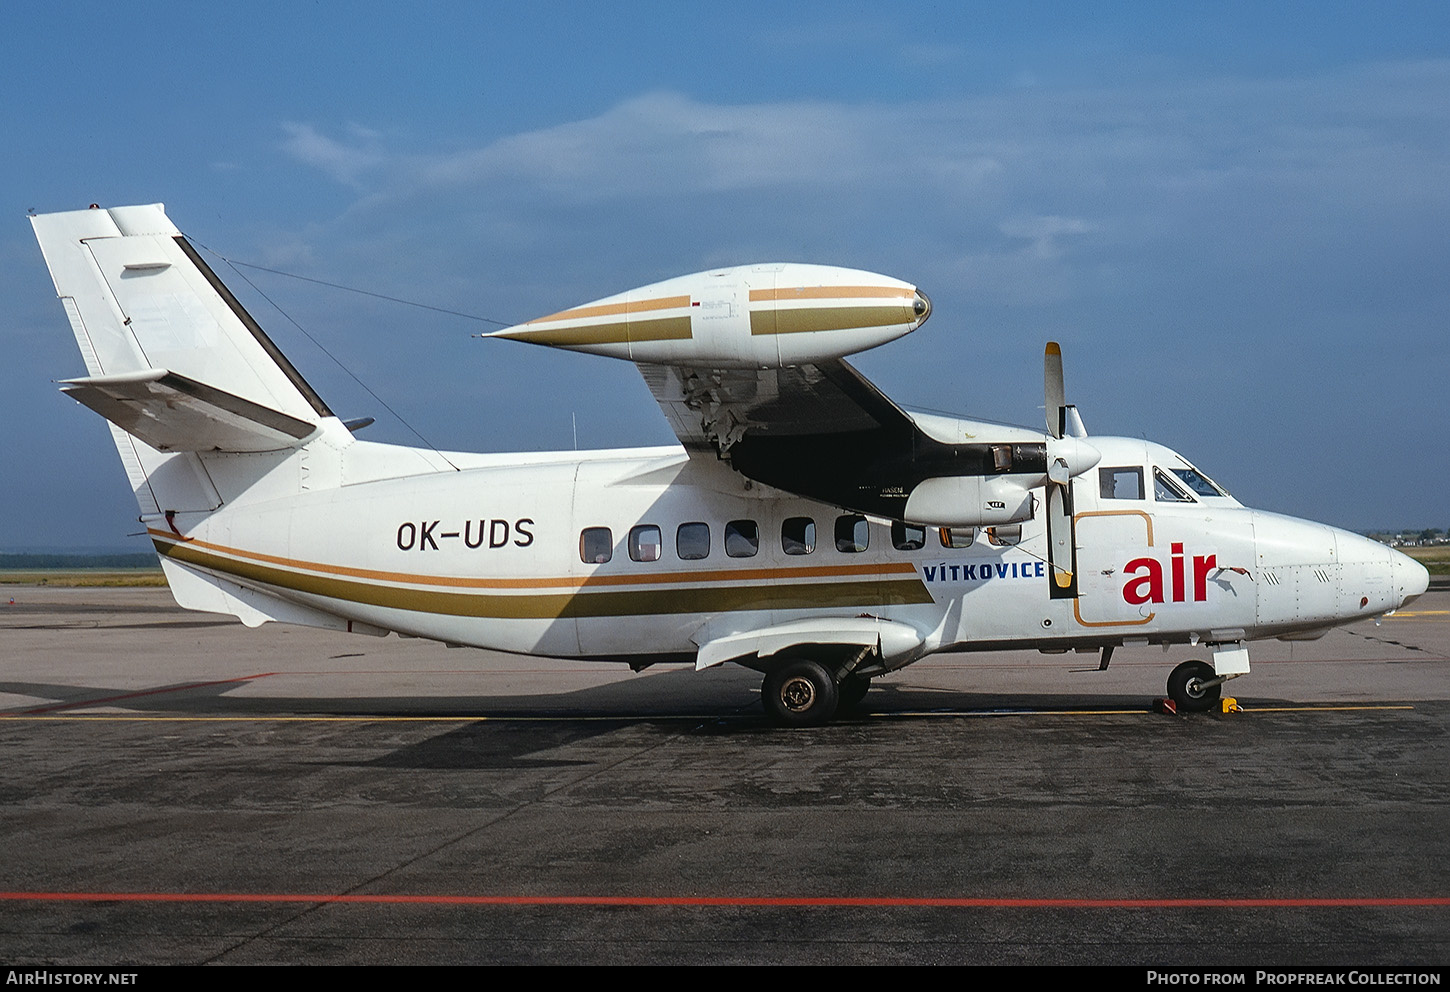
{"type": "Point", "coordinates": [1193, 688]}
{"type": "Point", "coordinates": [1196, 686]}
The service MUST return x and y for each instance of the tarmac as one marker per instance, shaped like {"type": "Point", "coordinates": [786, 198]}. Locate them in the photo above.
{"type": "Point", "coordinates": [178, 789]}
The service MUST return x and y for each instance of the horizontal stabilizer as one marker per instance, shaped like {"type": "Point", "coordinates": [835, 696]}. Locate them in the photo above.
{"type": "Point", "coordinates": [171, 412]}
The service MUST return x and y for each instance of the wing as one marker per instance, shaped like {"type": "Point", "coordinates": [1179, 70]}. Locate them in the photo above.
{"type": "Point", "coordinates": [710, 409]}
{"type": "Point", "coordinates": [748, 366]}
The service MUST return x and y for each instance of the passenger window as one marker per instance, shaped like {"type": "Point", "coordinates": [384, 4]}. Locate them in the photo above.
{"type": "Point", "coordinates": [905, 537]}
{"type": "Point", "coordinates": [1004, 537]}
{"type": "Point", "coordinates": [798, 535]}
{"type": "Point", "coordinates": [1120, 483]}
{"type": "Point", "coordinates": [596, 545]}
{"type": "Point", "coordinates": [852, 533]}
{"type": "Point", "coordinates": [957, 537]}
{"type": "Point", "coordinates": [742, 538]}
{"type": "Point", "coordinates": [692, 541]}
{"type": "Point", "coordinates": [644, 543]}
{"type": "Point", "coordinates": [1166, 490]}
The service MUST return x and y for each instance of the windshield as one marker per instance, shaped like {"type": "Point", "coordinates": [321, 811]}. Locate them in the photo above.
{"type": "Point", "coordinates": [1198, 482]}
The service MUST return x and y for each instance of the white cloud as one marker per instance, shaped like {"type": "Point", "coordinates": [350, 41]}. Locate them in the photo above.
{"type": "Point", "coordinates": [1021, 196]}
{"type": "Point", "coordinates": [1044, 233]}
{"type": "Point", "coordinates": [344, 162]}
{"type": "Point", "coordinates": [1113, 146]}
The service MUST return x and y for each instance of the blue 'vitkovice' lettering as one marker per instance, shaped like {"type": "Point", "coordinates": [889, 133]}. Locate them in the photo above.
{"type": "Point", "coordinates": [982, 571]}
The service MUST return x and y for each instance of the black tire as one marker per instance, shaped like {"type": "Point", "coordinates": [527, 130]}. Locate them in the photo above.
{"type": "Point", "coordinates": [800, 693]}
{"type": "Point", "coordinates": [852, 691]}
{"type": "Point", "coordinates": [1186, 690]}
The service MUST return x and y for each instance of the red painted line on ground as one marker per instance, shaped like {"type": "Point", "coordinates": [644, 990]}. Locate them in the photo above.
{"type": "Point", "coordinates": [133, 695]}
{"type": "Point", "coordinates": [873, 902]}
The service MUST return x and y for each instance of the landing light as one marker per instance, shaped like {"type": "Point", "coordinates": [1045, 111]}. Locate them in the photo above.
{"type": "Point", "coordinates": [921, 306]}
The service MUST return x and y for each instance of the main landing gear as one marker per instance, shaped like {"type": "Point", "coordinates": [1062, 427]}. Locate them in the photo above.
{"type": "Point", "coordinates": [805, 693]}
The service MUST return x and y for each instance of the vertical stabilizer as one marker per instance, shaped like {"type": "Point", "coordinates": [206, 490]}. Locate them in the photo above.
{"type": "Point", "coordinates": [173, 360]}
{"type": "Point", "coordinates": [140, 298]}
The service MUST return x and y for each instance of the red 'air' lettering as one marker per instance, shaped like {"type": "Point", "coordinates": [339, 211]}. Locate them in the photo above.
{"type": "Point", "coordinates": [1145, 587]}
{"type": "Point", "coordinates": [1146, 584]}
{"type": "Point", "coordinates": [1202, 565]}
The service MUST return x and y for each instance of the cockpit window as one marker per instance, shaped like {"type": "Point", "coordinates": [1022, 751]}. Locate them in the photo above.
{"type": "Point", "coordinates": [1121, 483]}
{"type": "Point", "coordinates": [1166, 490]}
{"type": "Point", "coordinates": [1198, 482]}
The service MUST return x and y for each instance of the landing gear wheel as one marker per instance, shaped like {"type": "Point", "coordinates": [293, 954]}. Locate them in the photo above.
{"type": "Point", "coordinates": [800, 693]}
{"type": "Point", "coordinates": [852, 690]}
{"type": "Point", "coordinates": [1186, 689]}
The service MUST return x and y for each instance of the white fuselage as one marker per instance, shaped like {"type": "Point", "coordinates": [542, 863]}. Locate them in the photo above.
{"type": "Point", "coordinates": [493, 555]}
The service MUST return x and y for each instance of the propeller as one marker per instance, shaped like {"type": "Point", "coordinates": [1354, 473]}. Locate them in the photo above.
{"type": "Point", "coordinates": [1055, 395]}
{"type": "Point", "coordinates": [1062, 416]}
{"type": "Point", "coordinates": [1067, 456]}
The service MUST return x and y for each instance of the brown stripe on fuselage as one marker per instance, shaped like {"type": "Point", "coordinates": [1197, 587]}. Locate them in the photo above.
{"type": "Point", "coordinates": [799, 320]}
{"type": "Point", "coordinates": [580, 603]}
{"type": "Point", "coordinates": [658, 329]}
{"type": "Point", "coordinates": [900, 568]}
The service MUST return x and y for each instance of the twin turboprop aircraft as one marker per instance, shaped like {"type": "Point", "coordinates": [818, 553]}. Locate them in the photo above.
{"type": "Point", "coordinates": [808, 527]}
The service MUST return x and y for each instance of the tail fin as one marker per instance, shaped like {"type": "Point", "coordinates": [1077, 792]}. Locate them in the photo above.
{"type": "Point", "coordinates": [173, 359]}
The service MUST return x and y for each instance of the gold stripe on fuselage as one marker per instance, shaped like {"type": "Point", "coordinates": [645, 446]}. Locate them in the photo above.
{"type": "Point", "coordinates": [610, 309]}
{"type": "Point", "coordinates": [618, 332]}
{"type": "Point", "coordinates": [834, 293]}
{"type": "Point", "coordinates": [579, 601]}
{"type": "Point", "coordinates": [799, 320]}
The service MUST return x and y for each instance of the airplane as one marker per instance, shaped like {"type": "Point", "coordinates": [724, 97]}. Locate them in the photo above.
{"type": "Point", "coordinates": [806, 526]}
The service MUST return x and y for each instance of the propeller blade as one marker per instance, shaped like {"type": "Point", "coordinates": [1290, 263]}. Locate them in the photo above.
{"type": "Point", "coordinates": [1055, 396]}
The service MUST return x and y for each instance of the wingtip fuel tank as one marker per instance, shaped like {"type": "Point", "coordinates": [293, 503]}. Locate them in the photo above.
{"type": "Point", "coordinates": [749, 316]}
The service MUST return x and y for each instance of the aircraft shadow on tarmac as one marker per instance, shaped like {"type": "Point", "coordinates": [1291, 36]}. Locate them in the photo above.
{"type": "Point", "coordinates": [672, 696]}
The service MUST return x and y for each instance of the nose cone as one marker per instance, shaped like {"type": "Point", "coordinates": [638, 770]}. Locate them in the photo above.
{"type": "Point", "coordinates": [1372, 564]}
{"type": "Point", "coordinates": [1411, 578]}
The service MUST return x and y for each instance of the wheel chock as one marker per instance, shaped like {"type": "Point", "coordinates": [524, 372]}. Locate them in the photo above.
{"type": "Point", "coordinates": [1165, 706]}
{"type": "Point", "coordinates": [1229, 704]}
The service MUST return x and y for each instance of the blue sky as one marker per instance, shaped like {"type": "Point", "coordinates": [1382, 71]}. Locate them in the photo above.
{"type": "Point", "coordinates": [1235, 217]}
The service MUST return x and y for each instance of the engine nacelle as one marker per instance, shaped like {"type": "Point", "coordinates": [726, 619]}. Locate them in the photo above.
{"type": "Point", "coordinates": [750, 316]}
{"type": "Point", "coordinates": [969, 501]}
